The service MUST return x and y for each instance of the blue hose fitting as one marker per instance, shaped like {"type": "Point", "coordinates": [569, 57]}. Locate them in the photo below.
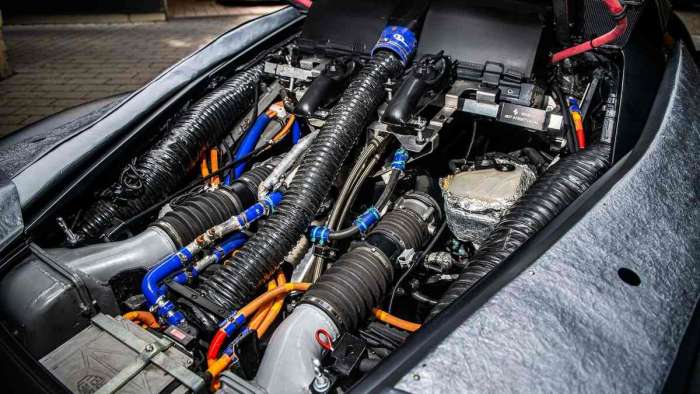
{"type": "Point", "coordinates": [573, 105]}
{"type": "Point", "coordinates": [400, 158]}
{"type": "Point", "coordinates": [260, 209]}
{"type": "Point", "coordinates": [232, 323]}
{"type": "Point", "coordinates": [397, 39]}
{"type": "Point", "coordinates": [367, 219]}
{"type": "Point", "coordinates": [167, 311]}
{"type": "Point", "coordinates": [319, 234]}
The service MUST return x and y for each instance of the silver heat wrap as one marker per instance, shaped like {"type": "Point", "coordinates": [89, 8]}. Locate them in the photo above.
{"type": "Point", "coordinates": [476, 199]}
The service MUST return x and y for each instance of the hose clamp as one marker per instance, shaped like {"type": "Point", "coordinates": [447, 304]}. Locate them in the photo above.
{"type": "Point", "coordinates": [319, 235]}
{"type": "Point", "coordinates": [620, 15]}
{"type": "Point", "coordinates": [367, 219]}
{"type": "Point", "coordinates": [397, 39]}
{"type": "Point", "coordinates": [400, 158]}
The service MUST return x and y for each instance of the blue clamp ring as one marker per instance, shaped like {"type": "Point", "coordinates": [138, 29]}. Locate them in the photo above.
{"type": "Point", "coordinates": [319, 234]}
{"type": "Point", "coordinates": [400, 158]}
{"type": "Point", "coordinates": [573, 105]}
{"type": "Point", "coordinates": [367, 219]}
{"type": "Point", "coordinates": [400, 40]}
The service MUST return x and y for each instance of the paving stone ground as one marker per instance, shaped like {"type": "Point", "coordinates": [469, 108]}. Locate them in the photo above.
{"type": "Point", "coordinates": [60, 66]}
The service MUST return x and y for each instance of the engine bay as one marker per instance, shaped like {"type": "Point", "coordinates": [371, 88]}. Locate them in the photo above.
{"type": "Point", "coordinates": [291, 227]}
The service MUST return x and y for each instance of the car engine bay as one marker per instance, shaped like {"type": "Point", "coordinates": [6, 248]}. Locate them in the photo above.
{"type": "Point", "coordinates": [291, 227]}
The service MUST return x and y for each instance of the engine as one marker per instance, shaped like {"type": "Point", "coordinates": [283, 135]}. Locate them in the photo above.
{"type": "Point", "coordinates": [291, 227]}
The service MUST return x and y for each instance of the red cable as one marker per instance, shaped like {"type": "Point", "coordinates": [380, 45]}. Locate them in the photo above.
{"type": "Point", "coordinates": [215, 345]}
{"type": "Point", "coordinates": [303, 3]}
{"type": "Point", "coordinates": [615, 8]}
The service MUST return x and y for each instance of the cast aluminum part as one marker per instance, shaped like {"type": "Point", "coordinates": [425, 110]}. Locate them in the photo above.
{"type": "Point", "coordinates": [104, 261]}
{"type": "Point", "coordinates": [287, 366]}
{"type": "Point", "coordinates": [274, 180]}
{"type": "Point", "coordinates": [475, 200]}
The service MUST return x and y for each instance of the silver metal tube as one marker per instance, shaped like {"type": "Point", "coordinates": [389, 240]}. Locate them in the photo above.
{"type": "Point", "coordinates": [103, 261]}
{"type": "Point", "coordinates": [288, 161]}
{"type": "Point", "coordinates": [287, 366]}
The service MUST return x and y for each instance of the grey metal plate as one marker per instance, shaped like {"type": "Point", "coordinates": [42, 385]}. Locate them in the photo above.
{"type": "Point", "coordinates": [92, 358]}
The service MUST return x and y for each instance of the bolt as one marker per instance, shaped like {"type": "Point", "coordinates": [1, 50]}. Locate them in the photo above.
{"type": "Point", "coordinates": [149, 348]}
{"type": "Point", "coordinates": [416, 376]}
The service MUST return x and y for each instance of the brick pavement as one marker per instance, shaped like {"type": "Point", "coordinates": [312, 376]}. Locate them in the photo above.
{"type": "Point", "coordinates": [200, 8]}
{"type": "Point", "coordinates": [57, 67]}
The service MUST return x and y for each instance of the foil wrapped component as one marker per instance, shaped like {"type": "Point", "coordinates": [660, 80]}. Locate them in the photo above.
{"type": "Point", "coordinates": [476, 199]}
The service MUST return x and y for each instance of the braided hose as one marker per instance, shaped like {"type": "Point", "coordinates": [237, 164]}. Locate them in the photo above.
{"type": "Point", "coordinates": [555, 190]}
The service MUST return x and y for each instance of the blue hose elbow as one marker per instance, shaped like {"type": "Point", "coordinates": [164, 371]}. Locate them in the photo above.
{"type": "Point", "coordinates": [150, 283]}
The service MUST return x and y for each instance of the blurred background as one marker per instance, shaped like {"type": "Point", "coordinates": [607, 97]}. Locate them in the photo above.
{"type": "Point", "coordinates": [58, 54]}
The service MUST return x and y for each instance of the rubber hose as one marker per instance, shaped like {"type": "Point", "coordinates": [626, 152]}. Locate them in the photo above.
{"type": "Point", "coordinates": [199, 213]}
{"type": "Point", "coordinates": [160, 170]}
{"type": "Point", "coordinates": [234, 284]}
{"type": "Point", "coordinates": [383, 199]}
{"type": "Point", "coordinates": [555, 190]}
{"type": "Point", "coordinates": [360, 279]}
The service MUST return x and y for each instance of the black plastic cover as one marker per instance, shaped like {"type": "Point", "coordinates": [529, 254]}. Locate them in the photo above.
{"type": "Point", "coordinates": [477, 32]}
{"type": "Point", "coordinates": [345, 26]}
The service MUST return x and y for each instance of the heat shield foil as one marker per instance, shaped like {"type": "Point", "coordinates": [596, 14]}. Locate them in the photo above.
{"type": "Point", "coordinates": [476, 199]}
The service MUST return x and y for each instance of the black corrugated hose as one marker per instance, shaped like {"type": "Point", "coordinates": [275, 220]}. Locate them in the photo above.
{"type": "Point", "coordinates": [235, 283]}
{"type": "Point", "coordinates": [360, 279]}
{"type": "Point", "coordinates": [157, 172]}
{"type": "Point", "coordinates": [555, 190]}
{"type": "Point", "coordinates": [198, 213]}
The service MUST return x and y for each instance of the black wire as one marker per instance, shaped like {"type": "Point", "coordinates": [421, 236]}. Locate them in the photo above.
{"type": "Point", "coordinates": [471, 143]}
{"type": "Point", "coordinates": [191, 186]}
{"type": "Point", "coordinates": [415, 263]}
{"type": "Point", "coordinates": [570, 133]}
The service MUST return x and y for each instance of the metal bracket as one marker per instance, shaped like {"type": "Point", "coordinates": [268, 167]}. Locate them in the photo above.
{"type": "Point", "coordinates": [148, 352]}
{"type": "Point", "coordinates": [405, 259]}
{"type": "Point", "coordinates": [193, 296]}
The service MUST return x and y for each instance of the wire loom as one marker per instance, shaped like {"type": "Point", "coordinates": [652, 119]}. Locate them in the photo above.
{"type": "Point", "coordinates": [157, 172]}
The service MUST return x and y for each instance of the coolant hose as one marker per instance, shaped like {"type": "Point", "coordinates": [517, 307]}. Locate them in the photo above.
{"type": "Point", "coordinates": [249, 141]}
{"type": "Point", "coordinates": [555, 190]}
{"type": "Point", "coordinates": [183, 258]}
{"type": "Point", "coordinates": [296, 132]}
{"type": "Point", "coordinates": [157, 172]}
{"type": "Point", "coordinates": [260, 258]}
{"type": "Point", "coordinates": [617, 11]}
